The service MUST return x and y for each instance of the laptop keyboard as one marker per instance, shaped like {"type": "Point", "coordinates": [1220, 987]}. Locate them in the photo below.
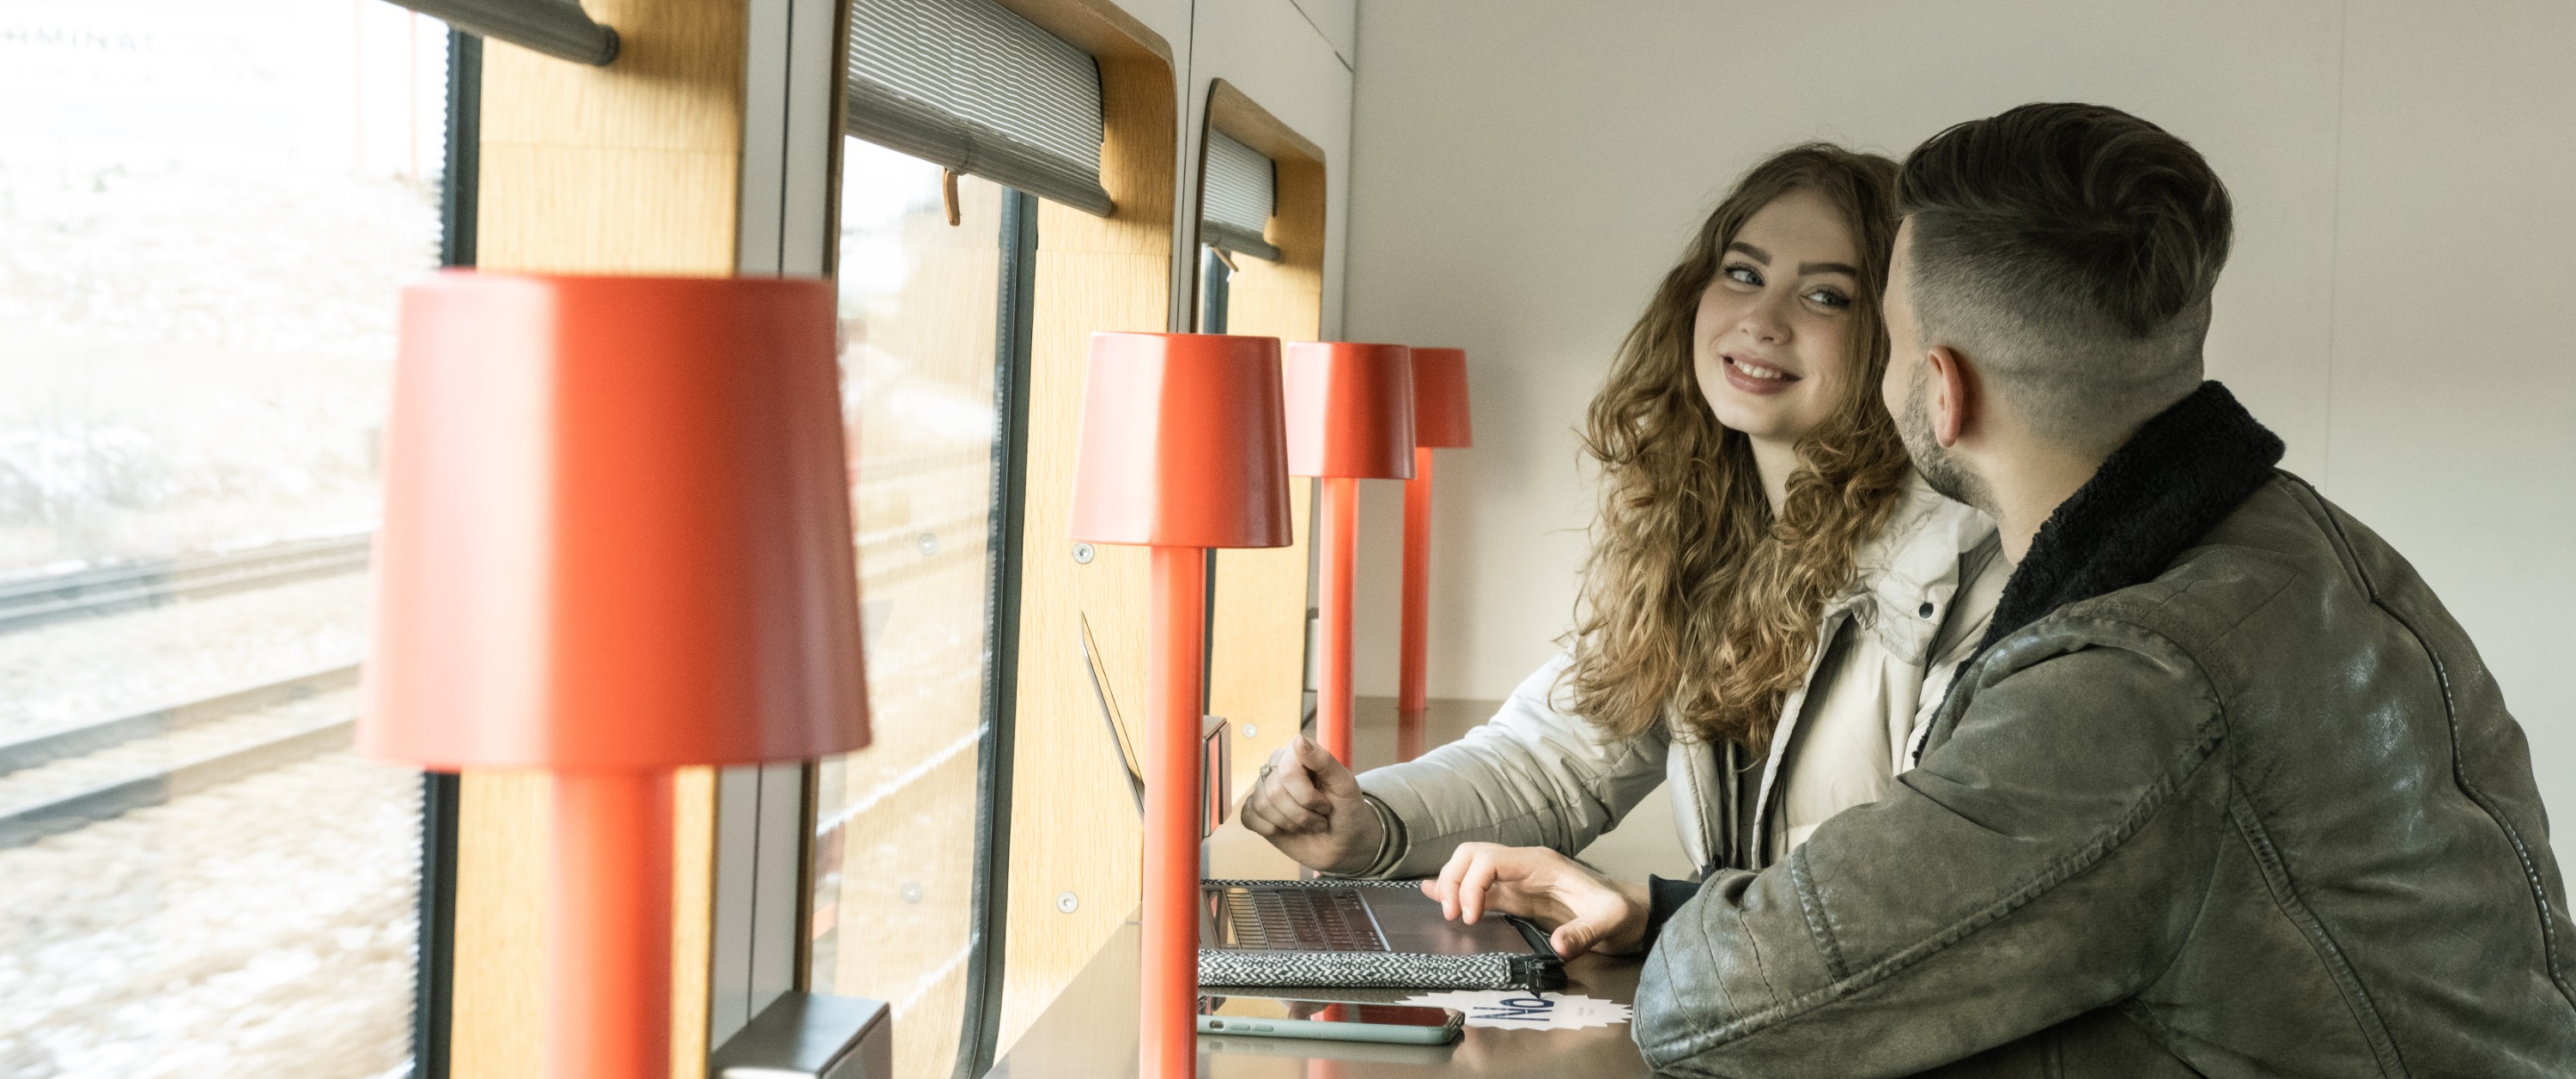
{"type": "Point", "coordinates": [1300, 919]}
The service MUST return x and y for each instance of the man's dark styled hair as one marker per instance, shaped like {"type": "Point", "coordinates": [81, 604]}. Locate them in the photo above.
{"type": "Point", "coordinates": [2068, 251]}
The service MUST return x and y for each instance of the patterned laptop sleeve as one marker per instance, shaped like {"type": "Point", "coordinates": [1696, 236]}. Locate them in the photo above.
{"type": "Point", "coordinates": [1537, 968]}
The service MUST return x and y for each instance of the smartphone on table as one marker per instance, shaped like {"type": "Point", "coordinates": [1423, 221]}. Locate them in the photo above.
{"type": "Point", "coordinates": [1331, 1020]}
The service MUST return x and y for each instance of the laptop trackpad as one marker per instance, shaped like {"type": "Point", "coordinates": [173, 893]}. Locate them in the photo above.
{"type": "Point", "coordinates": [1411, 922]}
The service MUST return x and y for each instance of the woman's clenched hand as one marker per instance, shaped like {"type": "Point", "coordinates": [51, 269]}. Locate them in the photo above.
{"type": "Point", "coordinates": [1309, 806]}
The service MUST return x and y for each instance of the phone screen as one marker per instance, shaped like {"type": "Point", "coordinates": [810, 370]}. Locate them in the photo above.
{"type": "Point", "coordinates": [1324, 1011]}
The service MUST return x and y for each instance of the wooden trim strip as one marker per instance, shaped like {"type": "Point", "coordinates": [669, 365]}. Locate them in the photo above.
{"type": "Point", "coordinates": [629, 168]}
{"type": "Point", "coordinates": [1229, 110]}
{"type": "Point", "coordinates": [1097, 27]}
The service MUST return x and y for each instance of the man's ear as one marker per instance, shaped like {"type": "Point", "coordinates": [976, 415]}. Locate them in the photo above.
{"type": "Point", "coordinates": [1952, 409]}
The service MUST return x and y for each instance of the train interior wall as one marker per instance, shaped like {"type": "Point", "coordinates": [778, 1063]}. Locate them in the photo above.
{"type": "Point", "coordinates": [1507, 176]}
{"type": "Point", "coordinates": [2398, 305]}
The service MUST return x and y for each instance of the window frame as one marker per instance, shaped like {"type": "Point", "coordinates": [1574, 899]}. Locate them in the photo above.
{"type": "Point", "coordinates": [758, 947]}
{"type": "Point", "coordinates": [1140, 99]}
{"type": "Point", "coordinates": [995, 756]}
{"type": "Point", "coordinates": [764, 844]}
{"type": "Point", "coordinates": [441, 793]}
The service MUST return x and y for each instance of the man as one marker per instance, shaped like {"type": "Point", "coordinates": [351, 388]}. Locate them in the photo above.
{"type": "Point", "coordinates": [2224, 792]}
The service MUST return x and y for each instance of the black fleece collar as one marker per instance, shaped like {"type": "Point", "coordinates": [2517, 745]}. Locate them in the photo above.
{"type": "Point", "coordinates": [2176, 479]}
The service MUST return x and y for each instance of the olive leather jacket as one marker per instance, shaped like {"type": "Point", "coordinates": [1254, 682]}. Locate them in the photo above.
{"type": "Point", "coordinates": [2226, 792]}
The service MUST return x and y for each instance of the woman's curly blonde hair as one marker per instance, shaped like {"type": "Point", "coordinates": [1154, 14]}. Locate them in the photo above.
{"type": "Point", "coordinates": [1697, 605]}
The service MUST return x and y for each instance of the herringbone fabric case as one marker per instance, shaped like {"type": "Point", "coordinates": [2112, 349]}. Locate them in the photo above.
{"type": "Point", "coordinates": [1534, 969]}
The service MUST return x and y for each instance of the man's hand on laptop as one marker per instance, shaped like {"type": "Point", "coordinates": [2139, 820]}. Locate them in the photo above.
{"type": "Point", "coordinates": [1309, 806]}
{"type": "Point", "coordinates": [1583, 910]}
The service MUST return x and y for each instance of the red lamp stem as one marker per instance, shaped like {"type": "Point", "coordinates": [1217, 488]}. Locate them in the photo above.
{"type": "Point", "coordinates": [1410, 695]}
{"type": "Point", "coordinates": [1170, 964]}
{"type": "Point", "coordinates": [1336, 526]}
{"type": "Point", "coordinates": [609, 974]}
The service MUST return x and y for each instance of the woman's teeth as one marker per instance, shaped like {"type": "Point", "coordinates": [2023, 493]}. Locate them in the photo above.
{"type": "Point", "coordinates": [1755, 370]}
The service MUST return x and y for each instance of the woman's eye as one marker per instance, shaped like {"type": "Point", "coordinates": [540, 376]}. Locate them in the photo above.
{"type": "Point", "coordinates": [1830, 298]}
{"type": "Point", "coordinates": [1744, 275]}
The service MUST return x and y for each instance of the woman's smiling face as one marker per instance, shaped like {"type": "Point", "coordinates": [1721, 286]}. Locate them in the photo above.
{"type": "Point", "coordinates": [1771, 345]}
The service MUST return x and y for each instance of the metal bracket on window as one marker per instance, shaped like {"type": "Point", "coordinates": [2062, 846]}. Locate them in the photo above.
{"type": "Point", "coordinates": [557, 28]}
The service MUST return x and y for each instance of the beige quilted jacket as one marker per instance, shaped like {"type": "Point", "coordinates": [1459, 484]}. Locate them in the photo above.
{"type": "Point", "coordinates": [1535, 775]}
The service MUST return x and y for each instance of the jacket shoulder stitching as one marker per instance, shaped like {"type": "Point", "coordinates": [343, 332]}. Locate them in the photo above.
{"type": "Point", "coordinates": [2549, 942]}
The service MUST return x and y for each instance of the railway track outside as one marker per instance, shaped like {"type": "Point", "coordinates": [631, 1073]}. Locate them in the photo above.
{"type": "Point", "coordinates": [111, 589]}
{"type": "Point", "coordinates": [69, 777]}
{"type": "Point", "coordinates": [58, 780]}
{"type": "Point", "coordinates": [63, 779]}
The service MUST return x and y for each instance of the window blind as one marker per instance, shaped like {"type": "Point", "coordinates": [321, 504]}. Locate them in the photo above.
{"type": "Point", "coordinates": [1237, 197]}
{"type": "Point", "coordinates": [969, 85]}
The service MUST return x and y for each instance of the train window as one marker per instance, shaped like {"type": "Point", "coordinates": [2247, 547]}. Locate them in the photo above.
{"type": "Point", "coordinates": [205, 214]}
{"type": "Point", "coordinates": [896, 845]}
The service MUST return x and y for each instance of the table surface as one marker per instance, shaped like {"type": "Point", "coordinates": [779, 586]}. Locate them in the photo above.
{"type": "Point", "coordinates": [1090, 1033]}
{"type": "Point", "coordinates": [1090, 1030]}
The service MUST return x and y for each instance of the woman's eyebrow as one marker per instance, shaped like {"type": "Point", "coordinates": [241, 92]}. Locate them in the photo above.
{"type": "Point", "coordinates": [1804, 268]}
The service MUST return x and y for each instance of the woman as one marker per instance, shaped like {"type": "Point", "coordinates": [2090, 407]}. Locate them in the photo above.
{"type": "Point", "coordinates": [1773, 607]}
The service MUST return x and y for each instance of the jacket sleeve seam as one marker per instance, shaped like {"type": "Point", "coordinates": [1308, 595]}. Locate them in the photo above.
{"type": "Point", "coordinates": [1819, 924]}
{"type": "Point", "coordinates": [2330, 953]}
{"type": "Point", "coordinates": [1726, 993]}
{"type": "Point", "coordinates": [2186, 766]}
{"type": "Point", "coordinates": [1760, 966]}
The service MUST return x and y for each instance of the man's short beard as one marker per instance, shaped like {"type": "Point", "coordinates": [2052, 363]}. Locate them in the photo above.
{"type": "Point", "coordinates": [1940, 468]}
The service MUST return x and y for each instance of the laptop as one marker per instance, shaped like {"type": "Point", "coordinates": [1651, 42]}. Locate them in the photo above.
{"type": "Point", "coordinates": [1340, 933]}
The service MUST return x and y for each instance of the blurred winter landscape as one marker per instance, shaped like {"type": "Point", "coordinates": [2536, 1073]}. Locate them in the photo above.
{"type": "Point", "coordinates": [206, 214]}
{"type": "Point", "coordinates": [198, 266]}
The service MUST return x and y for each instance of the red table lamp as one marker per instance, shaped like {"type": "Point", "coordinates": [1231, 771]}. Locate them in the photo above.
{"type": "Point", "coordinates": [616, 542]}
{"type": "Point", "coordinates": [1182, 450]}
{"type": "Point", "coordinates": [1439, 421]}
{"type": "Point", "coordinates": [1350, 418]}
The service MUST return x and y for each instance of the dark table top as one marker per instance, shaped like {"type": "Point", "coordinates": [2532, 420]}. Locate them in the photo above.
{"type": "Point", "coordinates": [1090, 1033]}
{"type": "Point", "coordinates": [1090, 1030]}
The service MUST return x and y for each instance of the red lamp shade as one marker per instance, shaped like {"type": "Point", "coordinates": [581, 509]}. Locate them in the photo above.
{"type": "Point", "coordinates": [1181, 442]}
{"type": "Point", "coordinates": [1350, 410]}
{"type": "Point", "coordinates": [617, 529]}
{"type": "Point", "coordinates": [1440, 398]}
